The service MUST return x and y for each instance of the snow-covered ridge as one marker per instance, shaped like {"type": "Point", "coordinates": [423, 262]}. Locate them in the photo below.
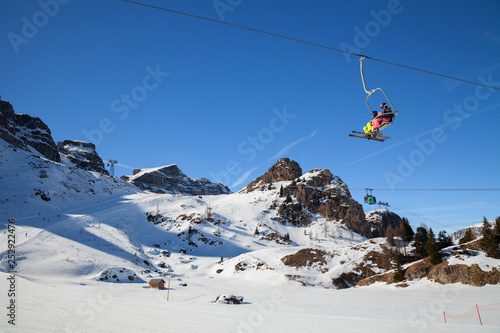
{"type": "Point", "coordinates": [170, 179]}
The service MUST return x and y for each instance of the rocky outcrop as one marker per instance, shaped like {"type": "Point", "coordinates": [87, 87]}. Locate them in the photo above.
{"type": "Point", "coordinates": [380, 220]}
{"type": "Point", "coordinates": [170, 179]}
{"type": "Point", "coordinates": [445, 272]}
{"type": "Point", "coordinates": [476, 229]}
{"type": "Point", "coordinates": [82, 154]}
{"type": "Point", "coordinates": [319, 192]}
{"type": "Point", "coordinates": [23, 131]}
{"type": "Point", "coordinates": [282, 170]}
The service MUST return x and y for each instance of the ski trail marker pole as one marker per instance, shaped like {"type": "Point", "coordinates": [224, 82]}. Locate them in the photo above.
{"type": "Point", "coordinates": [480, 321]}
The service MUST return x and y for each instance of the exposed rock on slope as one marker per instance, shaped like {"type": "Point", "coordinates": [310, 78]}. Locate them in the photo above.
{"type": "Point", "coordinates": [82, 155]}
{"type": "Point", "coordinates": [461, 264]}
{"type": "Point", "coordinates": [476, 231]}
{"type": "Point", "coordinates": [170, 179]}
{"type": "Point", "coordinates": [316, 192]}
{"type": "Point", "coordinates": [22, 131]}
{"type": "Point", "coordinates": [380, 220]}
{"type": "Point", "coordinates": [319, 192]}
{"type": "Point", "coordinates": [282, 170]}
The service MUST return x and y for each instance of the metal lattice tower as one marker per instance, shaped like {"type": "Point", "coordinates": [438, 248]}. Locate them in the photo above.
{"type": "Point", "coordinates": [386, 204]}
{"type": "Point", "coordinates": [111, 164]}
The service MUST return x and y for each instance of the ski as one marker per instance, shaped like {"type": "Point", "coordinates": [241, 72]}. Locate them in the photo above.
{"type": "Point", "coordinates": [368, 137]}
{"type": "Point", "coordinates": [377, 135]}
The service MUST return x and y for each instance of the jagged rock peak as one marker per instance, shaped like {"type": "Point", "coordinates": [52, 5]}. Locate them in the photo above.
{"type": "Point", "coordinates": [170, 179]}
{"type": "Point", "coordinates": [380, 220]}
{"type": "Point", "coordinates": [283, 170]}
{"type": "Point", "coordinates": [23, 131]}
{"type": "Point", "coordinates": [81, 154]}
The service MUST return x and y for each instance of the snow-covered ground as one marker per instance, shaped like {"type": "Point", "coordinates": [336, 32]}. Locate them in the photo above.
{"type": "Point", "coordinates": [84, 257]}
{"type": "Point", "coordinates": [55, 304]}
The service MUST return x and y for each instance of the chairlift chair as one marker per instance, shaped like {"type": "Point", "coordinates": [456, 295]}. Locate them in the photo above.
{"type": "Point", "coordinates": [384, 124]}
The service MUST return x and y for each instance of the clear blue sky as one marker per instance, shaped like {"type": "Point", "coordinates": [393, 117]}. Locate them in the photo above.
{"type": "Point", "coordinates": [151, 88]}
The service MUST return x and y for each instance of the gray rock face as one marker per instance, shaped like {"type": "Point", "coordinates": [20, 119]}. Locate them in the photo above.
{"type": "Point", "coordinates": [170, 179]}
{"type": "Point", "coordinates": [320, 192]}
{"type": "Point", "coordinates": [382, 219]}
{"type": "Point", "coordinates": [282, 170]}
{"type": "Point", "coordinates": [83, 155]}
{"type": "Point", "coordinates": [22, 130]}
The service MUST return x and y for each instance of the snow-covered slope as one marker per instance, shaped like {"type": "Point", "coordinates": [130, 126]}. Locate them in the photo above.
{"type": "Point", "coordinates": [86, 245]}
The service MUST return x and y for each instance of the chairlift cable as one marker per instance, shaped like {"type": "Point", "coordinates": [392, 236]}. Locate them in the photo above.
{"type": "Point", "coordinates": [419, 216]}
{"type": "Point", "coordinates": [310, 43]}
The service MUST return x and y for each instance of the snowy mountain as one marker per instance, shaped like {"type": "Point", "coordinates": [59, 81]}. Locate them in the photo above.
{"type": "Point", "coordinates": [381, 219]}
{"type": "Point", "coordinates": [475, 228]}
{"type": "Point", "coordinates": [81, 155]}
{"type": "Point", "coordinates": [170, 179]}
{"type": "Point", "coordinates": [86, 244]}
{"type": "Point", "coordinates": [26, 132]}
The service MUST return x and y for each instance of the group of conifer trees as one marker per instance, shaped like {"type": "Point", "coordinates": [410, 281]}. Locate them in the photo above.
{"type": "Point", "coordinates": [428, 245]}
{"type": "Point", "coordinates": [491, 238]}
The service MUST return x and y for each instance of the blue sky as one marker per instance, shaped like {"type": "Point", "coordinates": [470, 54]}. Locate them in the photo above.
{"type": "Point", "coordinates": [151, 88]}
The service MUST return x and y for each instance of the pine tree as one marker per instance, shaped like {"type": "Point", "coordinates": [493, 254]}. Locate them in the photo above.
{"type": "Point", "coordinates": [420, 242]}
{"type": "Point", "coordinates": [444, 240]}
{"type": "Point", "coordinates": [399, 275]}
{"type": "Point", "coordinates": [432, 249]}
{"type": "Point", "coordinates": [281, 192]}
{"type": "Point", "coordinates": [468, 237]}
{"type": "Point", "coordinates": [496, 238]}
{"type": "Point", "coordinates": [488, 240]}
{"type": "Point", "coordinates": [496, 231]}
{"type": "Point", "coordinates": [389, 234]}
{"type": "Point", "coordinates": [256, 231]}
{"type": "Point", "coordinates": [406, 232]}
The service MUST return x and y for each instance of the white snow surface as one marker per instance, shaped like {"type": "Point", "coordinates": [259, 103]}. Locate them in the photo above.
{"type": "Point", "coordinates": [96, 226]}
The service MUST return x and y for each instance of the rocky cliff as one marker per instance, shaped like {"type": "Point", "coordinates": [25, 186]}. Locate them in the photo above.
{"type": "Point", "coordinates": [476, 229]}
{"type": "Point", "coordinates": [381, 219]}
{"type": "Point", "coordinates": [170, 179]}
{"type": "Point", "coordinates": [282, 170]}
{"type": "Point", "coordinates": [315, 192]}
{"type": "Point", "coordinates": [466, 264]}
{"type": "Point", "coordinates": [23, 131]}
{"type": "Point", "coordinates": [82, 155]}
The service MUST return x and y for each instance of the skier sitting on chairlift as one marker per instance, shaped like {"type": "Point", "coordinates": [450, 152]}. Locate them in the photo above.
{"type": "Point", "coordinates": [368, 128]}
{"type": "Point", "coordinates": [385, 116]}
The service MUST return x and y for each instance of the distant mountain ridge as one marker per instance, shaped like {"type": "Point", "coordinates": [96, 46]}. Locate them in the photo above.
{"type": "Point", "coordinates": [170, 179]}
{"type": "Point", "coordinates": [23, 131]}
{"type": "Point", "coordinates": [475, 228]}
{"type": "Point", "coordinates": [82, 155]}
{"type": "Point", "coordinates": [32, 134]}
